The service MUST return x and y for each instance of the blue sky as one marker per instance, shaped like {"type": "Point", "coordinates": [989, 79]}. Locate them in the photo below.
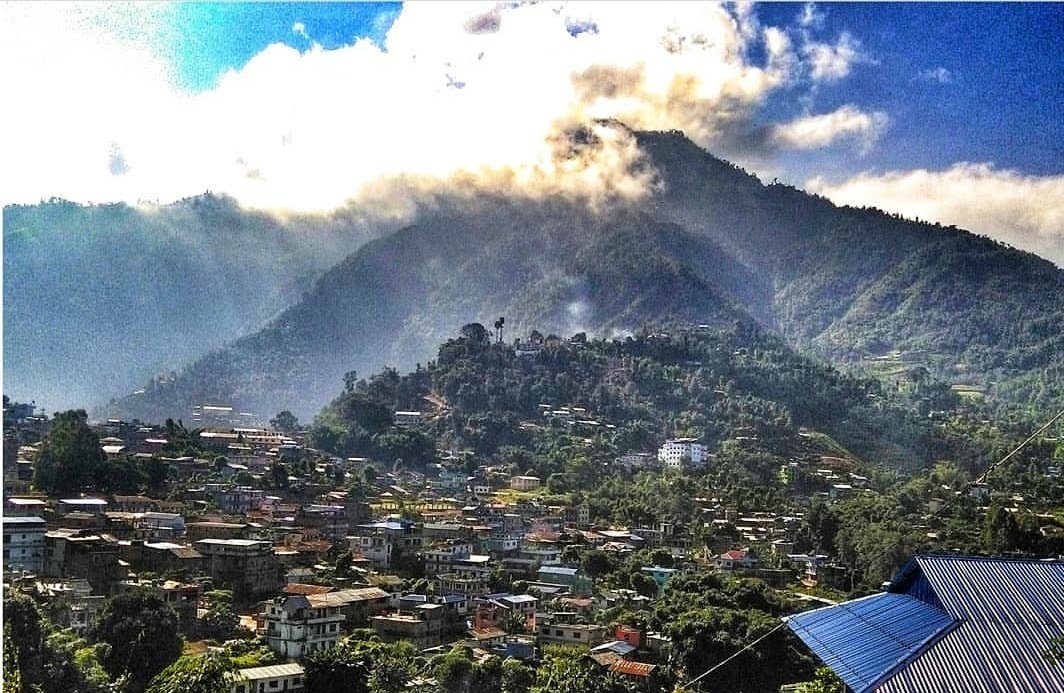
{"type": "Point", "coordinates": [961, 82]}
{"type": "Point", "coordinates": [951, 112]}
{"type": "Point", "coordinates": [1000, 97]}
{"type": "Point", "coordinates": [206, 39]}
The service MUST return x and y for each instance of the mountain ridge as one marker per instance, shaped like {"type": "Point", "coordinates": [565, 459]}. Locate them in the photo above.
{"type": "Point", "coordinates": [100, 297]}
{"type": "Point", "coordinates": [711, 243]}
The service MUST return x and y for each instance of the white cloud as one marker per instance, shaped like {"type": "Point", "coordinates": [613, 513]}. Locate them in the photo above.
{"type": "Point", "coordinates": [830, 63]}
{"type": "Point", "coordinates": [300, 29]}
{"type": "Point", "coordinates": [810, 18]}
{"type": "Point", "coordinates": [847, 123]}
{"type": "Point", "coordinates": [1022, 210]}
{"type": "Point", "coordinates": [97, 116]}
{"type": "Point", "coordinates": [938, 74]}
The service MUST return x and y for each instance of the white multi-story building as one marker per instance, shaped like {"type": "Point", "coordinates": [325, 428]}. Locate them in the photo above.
{"type": "Point", "coordinates": [24, 544]}
{"type": "Point", "coordinates": [442, 556]}
{"type": "Point", "coordinates": [679, 451]}
{"type": "Point", "coordinates": [298, 625]}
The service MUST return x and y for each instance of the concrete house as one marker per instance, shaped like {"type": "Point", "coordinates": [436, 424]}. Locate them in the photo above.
{"type": "Point", "coordinates": [24, 544]}
{"type": "Point", "coordinates": [297, 625]}
{"type": "Point", "coordinates": [249, 567]}
{"type": "Point", "coordinates": [677, 452]}
{"type": "Point", "coordinates": [525, 483]}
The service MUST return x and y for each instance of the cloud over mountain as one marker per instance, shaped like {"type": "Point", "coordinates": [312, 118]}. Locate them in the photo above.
{"type": "Point", "coordinates": [1022, 210]}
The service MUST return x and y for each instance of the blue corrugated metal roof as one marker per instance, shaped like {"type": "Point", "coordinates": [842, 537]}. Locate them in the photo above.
{"type": "Point", "coordinates": [866, 639]}
{"type": "Point", "coordinates": [1009, 610]}
{"type": "Point", "coordinates": [1006, 612]}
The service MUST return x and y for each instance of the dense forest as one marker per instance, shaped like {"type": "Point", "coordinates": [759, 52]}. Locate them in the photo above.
{"type": "Point", "coordinates": [759, 408]}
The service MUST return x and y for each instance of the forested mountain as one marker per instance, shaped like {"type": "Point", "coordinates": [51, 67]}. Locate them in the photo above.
{"type": "Point", "coordinates": [553, 269]}
{"type": "Point", "coordinates": [739, 384]}
{"type": "Point", "coordinates": [712, 244]}
{"type": "Point", "coordinates": [854, 284]}
{"type": "Point", "coordinates": [98, 298]}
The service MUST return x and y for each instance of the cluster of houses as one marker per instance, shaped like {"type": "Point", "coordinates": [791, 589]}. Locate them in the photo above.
{"type": "Point", "coordinates": [463, 540]}
{"type": "Point", "coordinates": [459, 553]}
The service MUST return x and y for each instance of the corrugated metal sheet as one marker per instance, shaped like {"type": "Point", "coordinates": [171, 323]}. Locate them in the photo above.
{"type": "Point", "coordinates": [866, 639]}
{"type": "Point", "coordinates": [1005, 614]}
{"type": "Point", "coordinates": [995, 589]}
{"type": "Point", "coordinates": [1009, 610]}
{"type": "Point", "coordinates": [270, 672]}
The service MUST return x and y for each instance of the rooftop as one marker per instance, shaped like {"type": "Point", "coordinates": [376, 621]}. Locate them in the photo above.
{"type": "Point", "coordinates": [270, 672]}
{"type": "Point", "coordinates": [985, 621]}
{"type": "Point", "coordinates": [346, 597]}
{"type": "Point", "coordinates": [558, 570]}
{"type": "Point", "coordinates": [623, 666]}
{"type": "Point", "coordinates": [232, 542]}
{"type": "Point", "coordinates": [23, 521]}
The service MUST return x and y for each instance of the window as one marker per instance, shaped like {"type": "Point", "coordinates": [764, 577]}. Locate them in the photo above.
{"type": "Point", "coordinates": [332, 628]}
{"type": "Point", "coordinates": [275, 684]}
{"type": "Point", "coordinates": [576, 634]}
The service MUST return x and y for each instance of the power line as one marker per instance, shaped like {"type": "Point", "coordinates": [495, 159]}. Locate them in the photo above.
{"type": "Point", "coordinates": [964, 489]}
{"type": "Point", "coordinates": [733, 656]}
{"type": "Point", "coordinates": [980, 479]}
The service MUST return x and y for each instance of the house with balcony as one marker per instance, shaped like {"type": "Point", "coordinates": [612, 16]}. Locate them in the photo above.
{"type": "Point", "coordinates": [240, 500]}
{"type": "Point", "coordinates": [381, 541]}
{"type": "Point", "coordinates": [81, 554]}
{"type": "Point", "coordinates": [158, 525]}
{"type": "Point", "coordinates": [70, 603]}
{"type": "Point", "coordinates": [298, 625]}
{"type": "Point", "coordinates": [442, 556]}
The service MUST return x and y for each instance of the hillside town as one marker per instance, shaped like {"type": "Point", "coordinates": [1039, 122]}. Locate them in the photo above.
{"type": "Point", "coordinates": [258, 537]}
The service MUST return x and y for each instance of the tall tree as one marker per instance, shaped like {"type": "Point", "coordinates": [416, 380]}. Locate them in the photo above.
{"type": "Point", "coordinates": [141, 631]}
{"type": "Point", "coordinates": [210, 673]}
{"type": "Point", "coordinates": [39, 661]}
{"type": "Point", "coordinates": [285, 422]}
{"type": "Point", "coordinates": [70, 455]}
